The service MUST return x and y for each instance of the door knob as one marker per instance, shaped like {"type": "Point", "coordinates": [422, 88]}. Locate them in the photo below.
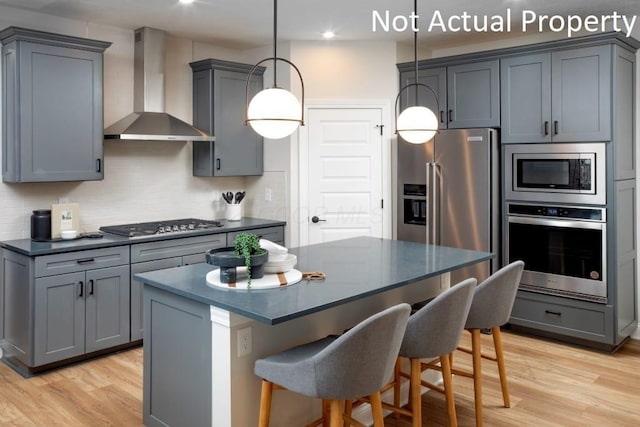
{"type": "Point", "coordinates": [315, 219]}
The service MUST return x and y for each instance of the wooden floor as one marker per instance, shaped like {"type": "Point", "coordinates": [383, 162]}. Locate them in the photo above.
{"type": "Point", "coordinates": [552, 384]}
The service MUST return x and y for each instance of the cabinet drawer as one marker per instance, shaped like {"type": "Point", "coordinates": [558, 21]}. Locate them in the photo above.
{"type": "Point", "coordinates": [275, 234]}
{"type": "Point", "coordinates": [559, 318]}
{"type": "Point", "coordinates": [70, 262]}
{"type": "Point", "coordinates": [176, 247]}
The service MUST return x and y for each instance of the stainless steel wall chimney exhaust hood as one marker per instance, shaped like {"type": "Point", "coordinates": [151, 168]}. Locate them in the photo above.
{"type": "Point", "coordinates": [150, 122]}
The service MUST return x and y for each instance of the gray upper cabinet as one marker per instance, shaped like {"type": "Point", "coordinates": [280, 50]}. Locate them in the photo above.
{"type": "Point", "coordinates": [581, 94]}
{"type": "Point", "coordinates": [52, 107]}
{"type": "Point", "coordinates": [526, 98]}
{"type": "Point", "coordinates": [473, 95]}
{"type": "Point", "coordinates": [436, 79]}
{"type": "Point", "coordinates": [560, 96]}
{"type": "Point", "coordinates": [468, 95]}
{"type": "Point", "coordinates": [219, 99]}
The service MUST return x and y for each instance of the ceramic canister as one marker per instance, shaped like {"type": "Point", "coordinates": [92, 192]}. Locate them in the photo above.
{"type": "Point", "coordinates": [41, 224]}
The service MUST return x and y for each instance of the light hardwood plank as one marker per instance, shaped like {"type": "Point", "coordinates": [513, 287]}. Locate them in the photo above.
{"type": "Point", "coordinates": [551, 384]}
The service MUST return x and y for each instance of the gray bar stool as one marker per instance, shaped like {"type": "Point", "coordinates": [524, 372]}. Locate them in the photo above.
{"type": "Point", "coordinates": [491, 308]}
{"type": "Point", "coordinates": [433, 333]}
{"type": "Point", "coordinates": [355, 364]}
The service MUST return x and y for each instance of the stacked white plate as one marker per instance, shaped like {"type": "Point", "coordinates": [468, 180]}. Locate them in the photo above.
{"type": "Point", "coordinates": [280, 261]}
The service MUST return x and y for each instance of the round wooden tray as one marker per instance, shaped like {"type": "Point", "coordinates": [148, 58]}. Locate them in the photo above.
{"type": "Point", "coordinates": [268, 281]}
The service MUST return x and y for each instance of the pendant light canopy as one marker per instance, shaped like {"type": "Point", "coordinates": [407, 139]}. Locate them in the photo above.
{"type": "Point", "coordinates": [416, 124]}
{"type": "Point", "coordinates": [274, 112]}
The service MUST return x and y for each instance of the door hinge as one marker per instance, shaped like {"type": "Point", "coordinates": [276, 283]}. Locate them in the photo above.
{"type": "Point", "coordinates": [381, 127]}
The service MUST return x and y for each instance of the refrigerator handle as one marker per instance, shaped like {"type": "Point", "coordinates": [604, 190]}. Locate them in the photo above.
{"type": "Point", "coordinates": [432, 203]}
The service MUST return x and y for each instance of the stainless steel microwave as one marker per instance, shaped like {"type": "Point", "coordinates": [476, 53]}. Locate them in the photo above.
{"type": "Point", "coordinates": [558, 173]}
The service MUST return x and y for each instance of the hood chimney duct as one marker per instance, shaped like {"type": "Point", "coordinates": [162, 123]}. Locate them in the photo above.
{"type": "Point", "coordinates": [150, 122]}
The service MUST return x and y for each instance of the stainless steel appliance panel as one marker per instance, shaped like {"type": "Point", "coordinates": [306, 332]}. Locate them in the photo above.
{"type": "Point", "coordinates": [556, 173]}
{"type": "Point", "coordinates": [461, 171]}
{"type": "Point", "coordinates": [563, 247]}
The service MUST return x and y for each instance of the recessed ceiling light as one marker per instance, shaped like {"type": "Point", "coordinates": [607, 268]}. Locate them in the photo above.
{"type": "Point", "coordinates": [328, 34]}
{"type": "Point", "coordinates": [186, 1]}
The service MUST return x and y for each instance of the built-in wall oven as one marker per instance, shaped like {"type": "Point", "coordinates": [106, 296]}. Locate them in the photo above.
{"type": "Point", "coordinates": [556, 173]}
{"type": "Point", "coordinates": [563, 248]}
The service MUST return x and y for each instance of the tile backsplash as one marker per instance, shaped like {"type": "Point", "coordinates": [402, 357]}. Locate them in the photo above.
{"type": "Point", "coordinates": [143, 181]}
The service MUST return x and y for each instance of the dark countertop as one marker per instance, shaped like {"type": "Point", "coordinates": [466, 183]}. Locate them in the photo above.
{"type": "Point", "coordinates": [32, 248]}
{"type": "Point", "coordinates": [354, 268]}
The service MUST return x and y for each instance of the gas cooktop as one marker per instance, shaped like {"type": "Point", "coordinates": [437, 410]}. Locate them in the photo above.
{"type": "Point", "coordinates": [161, 227]}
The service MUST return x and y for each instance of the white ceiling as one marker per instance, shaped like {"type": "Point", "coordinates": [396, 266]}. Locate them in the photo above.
{"type": "Point", "coordinates": [248, 23]}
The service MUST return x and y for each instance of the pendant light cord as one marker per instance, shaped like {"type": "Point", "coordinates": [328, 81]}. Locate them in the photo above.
{"type": "Point", "coordinates": [275, 40]}
{"type": "Point", "coordinates": [415, 45]}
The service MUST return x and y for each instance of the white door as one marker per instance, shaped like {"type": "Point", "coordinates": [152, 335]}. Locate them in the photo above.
{"type": "Point", "coordinates": [345, 177]}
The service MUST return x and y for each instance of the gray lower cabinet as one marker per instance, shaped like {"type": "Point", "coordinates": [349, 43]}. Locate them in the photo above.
{"type": "Point", "coordinates": [559, 96]}
{"type": "Point", "coordinates": [52, 107]}
{"type": "Point", "coordinates": [581, 320]}
{"type": "Point", "coordinates": [64, 305]}
{"type": "Point", "coordinates": [274, 234]}
{"type": "Point", "coordinates": [165, 254]}
{"type": "Point", "coordinates": [468, 95]}
{"type": "Point", "coordinates": [80, 313]}
{"type": "Point", "coordinates": [219, 100]}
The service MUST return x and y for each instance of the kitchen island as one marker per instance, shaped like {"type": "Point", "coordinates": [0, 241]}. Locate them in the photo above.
{"type": "Point", "coordinates": [201, 341]}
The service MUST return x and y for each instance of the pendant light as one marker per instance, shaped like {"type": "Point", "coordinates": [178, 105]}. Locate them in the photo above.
{"type": "Point", "coordinates": [416, 124]}
{"type": "Point", "coordinates": [274, 112]}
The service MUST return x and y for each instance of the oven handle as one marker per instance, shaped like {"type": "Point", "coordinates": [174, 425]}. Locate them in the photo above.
{"type": "Point", "coordinates": [560, 223]}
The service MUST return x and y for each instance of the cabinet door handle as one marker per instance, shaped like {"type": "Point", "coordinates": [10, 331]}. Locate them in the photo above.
{"type": "Point", "coordinates": [81, 288]}
{"type": "Point", "coordinates": [218, 164]}
{"type": "Point", "coordinates": [450, 116]}
{"type": "Point", "coordinates": [98, 165]}
{"type": "Point", "coordinates": [546, 128]}
{"type": "Point", "coordinates": [90, 287]}
{"type": "Point", "coordinates": [555, 127]}
{"type": "Point", "coordinates": [86, 261]}
{"type": "Point", "coordinates": [441, 116]}
{"type": "Point", "coordinates": [555, 313]}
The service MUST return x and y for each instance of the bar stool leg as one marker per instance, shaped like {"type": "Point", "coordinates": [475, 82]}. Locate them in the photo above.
{"type": "Point", "coordinates": [265, 403]}
{"type": "Point", "coordinates": [397, 382]}
{"type": "Point", "coordinates": [415, 395]}
{"type": "Point", "coordinates": [497, 344]}
{"type": "Point", "coordinates": [348, 409]}
{"type": "Point", "coordinates": [448, 389]}
{"type": "Point", "coordinates": [376, 409]}
{"type": "Point", "coordinates": [477, 373]}
{"type": "Point", "coordinates": [336, 413]}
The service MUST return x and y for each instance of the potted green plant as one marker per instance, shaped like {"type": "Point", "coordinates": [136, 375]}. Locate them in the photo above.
{"type": "Point", "coordinates": [246, 251]}
{"type": "Point", "coordinates": [247, 246]}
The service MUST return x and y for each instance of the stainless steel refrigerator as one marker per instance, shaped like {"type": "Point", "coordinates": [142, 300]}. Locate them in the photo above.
{"type": "Point", "coordinates": [449, 194]}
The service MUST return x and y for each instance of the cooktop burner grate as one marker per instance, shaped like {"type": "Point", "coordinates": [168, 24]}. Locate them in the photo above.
{"type": "Point", "coordinates": [161, 227]}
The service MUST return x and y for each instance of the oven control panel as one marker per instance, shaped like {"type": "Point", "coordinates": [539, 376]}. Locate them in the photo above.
{"type": "Point", "coordinates": [594, 214]}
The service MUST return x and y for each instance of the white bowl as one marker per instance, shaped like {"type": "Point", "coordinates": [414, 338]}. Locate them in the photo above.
{"type": "Point", "coordinates": [68, 234]}
{"type": "Point", "coordinates": [275, 257]}
{"type": "Point", "coordinates": [281, 266]}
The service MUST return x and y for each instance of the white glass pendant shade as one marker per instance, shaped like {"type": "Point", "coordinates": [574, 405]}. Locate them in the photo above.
{"type": "Point", "coordinates": [274, 113]}
{"type": "Point", "coordinates": [417, 125]}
